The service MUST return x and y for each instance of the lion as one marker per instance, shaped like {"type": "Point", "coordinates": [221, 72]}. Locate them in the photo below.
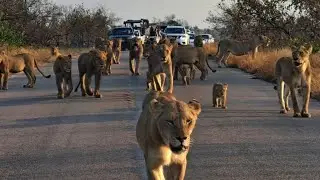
{"type": "Point", "coordinates": [293, 73]}
{"type": "Point", "coordinates": [91, 63]}
{"type": "Point", "coordinates": [62, 70]}
{"type": "Point", "coordinates": [219, 95]}
{"type": "Point", "coordinates": [163, 133]}
{"type": "Point", "coordinates": [14, 64]}
{"type": "Point", "coordinates": [227, 47]}
{"type": "Point", "coordinates": [110, 57]}
{"type": "Point", "coordinates": [135, 55]}
{"type": "Point", "coordinates": [187, 72]}
{"type": "Point", "coordinates": [157, 68]}
{"type": "Point", "coordinates": [117, 50]}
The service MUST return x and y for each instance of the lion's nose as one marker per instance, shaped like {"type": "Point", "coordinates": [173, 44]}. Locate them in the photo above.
{"type": "Point", "coordinates": [181, 139]}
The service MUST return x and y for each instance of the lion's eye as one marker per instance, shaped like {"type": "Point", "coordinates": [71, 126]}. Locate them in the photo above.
{"type": "Point", "coordinates": [170, 122]}
{"type": "Point", "coordinates": [189, 121]}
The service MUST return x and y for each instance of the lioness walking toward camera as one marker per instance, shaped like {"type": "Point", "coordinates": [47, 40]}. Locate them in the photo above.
{"type": "Point", "coordinates": [219, 95]}
{"type": "Point", "coordinates": [292, 73]}
{"type": "Point", "coordinates": [163, 133]}
{"type": "Point", "coordinates": [62, 70]}
{"type": "Point", "coordinates": [117, 50]}
{"type": "Point", "coordinates": [187, 72]}
{"type": "Point", "coordinates": [135, 56]}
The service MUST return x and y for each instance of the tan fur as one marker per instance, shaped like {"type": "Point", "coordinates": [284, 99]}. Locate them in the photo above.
{"type": "Point", "coordinates": [227, 47]}
{"type": "Point", "coordinates": [62, 70]}
{"type": "Point", "coordinates": [89, 64]}
{"type": "Point", "coordinates": [219, 95]}
{"type": "Point", "coordinates": [117, 50]}
{"type": "Point", "coordinates": [293, 73]}
{"type": "Point", "coordinates": [18, 63]}
{"type": "Point", "coordinates": [135, 56]}
{"type": "Point", "coordinates": [164, 133]}
{"type": "Point", "coordinates": [187, 72]}
{"type": "Point", "coordinates": [159, 68]}
{"type": "Point", "coordinates": [110, 57]}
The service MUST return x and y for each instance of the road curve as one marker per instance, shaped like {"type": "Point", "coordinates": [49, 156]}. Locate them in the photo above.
{"type": "Point", "coordinates": [42, 137]}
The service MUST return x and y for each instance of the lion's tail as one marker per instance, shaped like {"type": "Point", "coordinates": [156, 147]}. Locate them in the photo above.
{"type": "Point", "coordinates": [76, 89]}
{"type": "Point", "coordinates": [213, 70]}
{"type": "Point", "coordinates": [48, 76]}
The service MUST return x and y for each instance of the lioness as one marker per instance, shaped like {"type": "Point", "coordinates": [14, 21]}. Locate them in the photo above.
{"type": "Point", "coordinates": [62, 70]}
{"type": "Point", "coordinates": [163, 133]}
{"type": "Point", "coordinates": [117, 50]}
{"type": "Point", "coordinates": [292, 73]}
{"type": "Point", "coordinates": [135, 56]}
{"type": "Point", "coordinates": [227, 47]}
{"type": "Point", "coordinates": [18, 63]}
{"type": "Point", "coordinates": [159, 67]}
{"type": "Point", "coordinates": [91, 63]}
{"type": "Point", "coordinates": [110, 57]}
{"type": "Point", "coordinates": [219, 95]}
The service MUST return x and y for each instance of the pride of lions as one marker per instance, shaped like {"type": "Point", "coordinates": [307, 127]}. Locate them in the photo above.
{"type": "Point", "coordinates": [165, 124]}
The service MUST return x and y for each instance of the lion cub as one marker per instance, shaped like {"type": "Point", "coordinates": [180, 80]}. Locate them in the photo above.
{"type": "Point", "coordinates": [187, 72]}
{"type": "Point", "coordinates": [293, 73]}
{"type": "Point", "coordinates": [219, 95]}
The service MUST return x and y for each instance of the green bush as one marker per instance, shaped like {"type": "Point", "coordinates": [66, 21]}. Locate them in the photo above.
{"type": "Point", "coordinates": [198, 41]}
{"type": "Point", "coordinates": [10, 36]}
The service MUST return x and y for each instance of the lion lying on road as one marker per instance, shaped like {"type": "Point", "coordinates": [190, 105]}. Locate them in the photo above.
{"type": "Point", "coordinates": [293, 73]}
{"type": "Point", "coordinates": [227, 47]}
{"type": "Point", "coordinates": [163, 133]}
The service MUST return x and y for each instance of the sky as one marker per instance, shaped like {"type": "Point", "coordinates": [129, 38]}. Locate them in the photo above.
{"type": "Point", "coordinates": [194, 13]}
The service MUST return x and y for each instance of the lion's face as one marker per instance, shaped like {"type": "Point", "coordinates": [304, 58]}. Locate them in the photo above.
{"type": "Point", "coordinates": [221, 89]}
{"type": "Point", "coordinates": [99, 58]}
{"type": "Point", "coordinates": [148, 48]}
{"type": "Point", "coordinates": [164, 51]}
{"type": "Point", "coordinates": [54, 51]}
{"type": "Point", "coordinates": [117, 42]}
{"type": "Point", "coordinates": [109, 43]}
{"type": "Point", "coordinates": [176, 121]}
{"type": "Point", "coordinates": [300, 55]}
{"type": "Point", "coordinates": [67, 62]}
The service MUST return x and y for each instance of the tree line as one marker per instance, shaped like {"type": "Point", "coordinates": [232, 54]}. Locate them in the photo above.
{"type": "Point", "coordinates": [43, 23]}
{"type": "Point", "coordinates": [284, 21]}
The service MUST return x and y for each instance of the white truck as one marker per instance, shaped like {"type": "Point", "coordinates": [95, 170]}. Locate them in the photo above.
{"type": "Point", "coordinates": [179, 33]}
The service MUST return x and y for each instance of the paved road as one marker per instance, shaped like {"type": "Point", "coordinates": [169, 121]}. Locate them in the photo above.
{"type": "Point", "coordinates": [42, 137]}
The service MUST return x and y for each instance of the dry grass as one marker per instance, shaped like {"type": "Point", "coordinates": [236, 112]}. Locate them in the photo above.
{"type": "Point", "coordinates": [42, 55]}
{"type": "Point", "coordinates": [263, 66]}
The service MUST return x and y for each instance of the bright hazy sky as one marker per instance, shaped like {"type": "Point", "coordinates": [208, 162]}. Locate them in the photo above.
{"type": "Point", "coordinates": [194, 13]}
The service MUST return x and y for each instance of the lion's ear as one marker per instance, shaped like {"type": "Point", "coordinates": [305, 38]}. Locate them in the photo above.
{"type": "Point", "coordinates": [308, 48]}
{"type": "Point", "coordinates": [154, 104]}
{"type": "Point", "coordinates": [2, 53]}
{"type": "Point", "coordinates": [195, 106]}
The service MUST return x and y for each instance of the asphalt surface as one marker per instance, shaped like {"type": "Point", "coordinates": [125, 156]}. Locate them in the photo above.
{"type": "Point", "coordinates": [42, 137]}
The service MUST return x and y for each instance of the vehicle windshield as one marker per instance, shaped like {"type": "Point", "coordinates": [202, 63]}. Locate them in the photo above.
{"type": "Point", "coordinates": [122, 31]}
{"type": "Point", "coordinates": [174, 31]}
{"type": "Point", "coordinates": [204, 36]}
{"type": "Point", "coordinates": [191, 36]}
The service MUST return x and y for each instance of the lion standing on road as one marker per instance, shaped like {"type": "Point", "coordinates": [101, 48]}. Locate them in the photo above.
{"type": "Point", "coordinates": [62, 70]}
{"type": "Point", "coordinates": [227, 47]}
{"type": "Point", "coordinates": [14, 64]}
{"type": "Point", "coordinates": [219, 95]}
{"type": "Point", "coordinates": [117, 50]}
{"type": "Point", "coordinates": [292, 73]}
{"type": "Point", "coordinates": [135, 56]}
{"type": "Point", "coordinates": [164, 132]}
{"type": "Point", "coordinates": [110, 57]}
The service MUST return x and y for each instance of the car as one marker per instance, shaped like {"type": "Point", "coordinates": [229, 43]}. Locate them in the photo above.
{"type": "Point", "coordinates": [125, 33]}
{"type": "Point", "coordinates": [207, 38]}
{"type": "Point", "coordinates": [179, 33]}
{"type": "Point", "coordinates": [191, 39]}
